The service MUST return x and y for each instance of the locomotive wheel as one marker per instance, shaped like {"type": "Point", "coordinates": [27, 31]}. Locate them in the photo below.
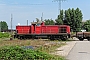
{"type": "Point", "coordinates": [21, 38]}
{"type": "Point", "coordinates": [88, 39]}
{"type": "Point", "coordinates": [81, 39]}
{"type": "Point", "coordinates": [63, 39]}
{"type": "Point", "coordinates": [58, 38]}
{"type": "Point", "coordinates": [51, 37]}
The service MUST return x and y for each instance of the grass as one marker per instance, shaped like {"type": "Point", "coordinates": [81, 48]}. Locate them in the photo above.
{"type": "Point", "coordinates": [21, 42]}
{"type": "Point", "coordinates": [42, 45]}
{"type": "Point", "coordinates": [51, 46]}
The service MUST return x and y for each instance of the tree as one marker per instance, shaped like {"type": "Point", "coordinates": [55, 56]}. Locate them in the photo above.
{"type": "Point", "coordinates": [79, 17]}
{"type": "Point", "coordinates": [67, 18]}
{"type": "Point", "coordinates": [37, 20]}
{"type": "Point", "coordinates": [3, 25]}
{"type": "Point", "coordinates": [86, 25]}
{"type": "Point", "coordinates": [73, 18]}
{"type": "Point", "coordinates": [52, 22]}
{"type": "Point", "coordinates": [59, 20]}
{"type": "Point", "coordinates": [49, 22]}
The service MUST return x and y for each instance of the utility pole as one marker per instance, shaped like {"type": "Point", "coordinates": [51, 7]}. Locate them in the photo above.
{"type": "Point", "coordinates": [0, 26]}
{"type": "Point", "coordinates": [42, 17]}
{"type": "Point", "coordinates": [11, 23]}
{"type": "Point", "coordinates": [59, 3]}
{"type": "Point", "coordinates": [11, 28]}
{"type": "Point", "coordinates": [27, 22]}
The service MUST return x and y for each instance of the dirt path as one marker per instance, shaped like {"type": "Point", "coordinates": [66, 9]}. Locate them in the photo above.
{"type": "Point", "coordinates": [64, 50]}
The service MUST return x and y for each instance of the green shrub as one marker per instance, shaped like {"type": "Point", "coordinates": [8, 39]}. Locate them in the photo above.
{"type": "Point", "coordinates": [4, 35]}
{"type": "Point", "coordinates": [18, 53]}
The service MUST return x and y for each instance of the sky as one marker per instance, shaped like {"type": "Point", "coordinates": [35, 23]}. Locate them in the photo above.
{"type": "Point", "coordinates": [23, 10]}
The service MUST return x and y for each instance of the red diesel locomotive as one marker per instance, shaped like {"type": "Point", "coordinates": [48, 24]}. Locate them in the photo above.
{"type": "Point", "coordinates": [40, 30]}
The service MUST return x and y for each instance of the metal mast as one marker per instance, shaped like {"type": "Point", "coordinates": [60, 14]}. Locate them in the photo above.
{"type": "Point", "coordinates": [59, 3]}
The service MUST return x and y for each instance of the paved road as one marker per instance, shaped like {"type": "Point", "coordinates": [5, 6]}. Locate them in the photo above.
{"type": "Point", "coordinates": [81, 51]}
